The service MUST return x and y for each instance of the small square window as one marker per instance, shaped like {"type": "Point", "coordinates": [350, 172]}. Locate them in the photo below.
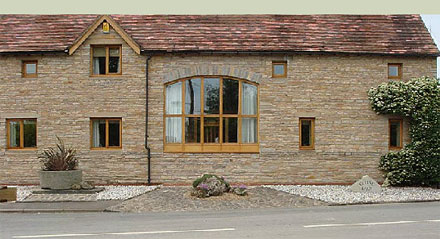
{"type": "Point", "coordinates": [307, 133]}
{"type": "Point", "coordinates": [21, 133]}
{"type": "Point", "coordinates": [106, 60]}
{"type": "Point", "coordinates": [29, 69]}
{"type": "Point", "coordinates": [279, 69]}
{"type": "Point", "coordinates": [106, 133]}
{"type": "Point", "coordinates": [395, 133]}
{"type": "Point", "coordinates": [394, 71]}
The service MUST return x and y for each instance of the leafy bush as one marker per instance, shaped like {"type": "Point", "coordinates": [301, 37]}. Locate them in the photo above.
{"type": "Point", "coordinates": [59, 158]}
{"type": "Point", "coordinates": [418, 163]}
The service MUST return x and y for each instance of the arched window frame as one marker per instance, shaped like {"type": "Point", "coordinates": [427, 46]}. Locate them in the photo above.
{"type": "Point", "coordinates": [212, 147]}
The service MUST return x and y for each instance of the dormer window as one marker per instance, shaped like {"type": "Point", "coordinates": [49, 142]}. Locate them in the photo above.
{"type": "Point", "coordinates": [106, 60]}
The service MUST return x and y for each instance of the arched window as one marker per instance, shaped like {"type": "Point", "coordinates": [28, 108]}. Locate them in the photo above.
{"type": "Point", "coordinates": [211, 114]}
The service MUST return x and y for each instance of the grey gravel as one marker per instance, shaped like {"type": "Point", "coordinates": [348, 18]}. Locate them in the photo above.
{"type": "Point", "coordinates": [24, 194]}
{"type": "Point", "coordinates": [343, 195]}
{"type": "Point", "coordinates": [174, 199]}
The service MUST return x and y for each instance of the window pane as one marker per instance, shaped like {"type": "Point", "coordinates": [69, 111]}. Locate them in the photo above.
{"type": "Point", "coordinates": [98, 131]}
{"type": "Point", "coordinates": [192, 96]}
{"type": "Point", "coordinates": [14, 134]}
{"type": "Point", "coordinates": [31, 68]}
{"type": "Point", "coordinates": [395, 134]}
{"type": "Point", "coordinates": [279, 69]}
{"type": "Point", "coordinates": [30, 133]}
{"type": "Point", "coordinates": [249, 130]}
{"type": "Point", "coordinates": [113, 60]}
{"type": "Point", "coordinates": [174, 98]}
{"type": "Point", "coordinates": [192, 130]}
{"type": "Point", "coordinates": [306, 132]}
{"type": "Point", "coordinates": [393, 70]}
{"type": "Point", "coordinates": [249, 99]}
{"type": "Point", "coordinates": [211, 130]}
{"type": "Point", "coordinates": [98, 60]}
{"type": "Point", "coordinates": [173, 130]}
{"type": "Point", "coordinates": [230, 130]}
{"type": "Point", "coordinates": [212, 95]}
{"type": "Point", "coordinates": [230, 96]}
{"type": "Point", "coordinates": [114, 133]}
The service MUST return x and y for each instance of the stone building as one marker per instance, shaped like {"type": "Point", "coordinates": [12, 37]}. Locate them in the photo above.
{"type": "Point", "coordinates": [255, 98]}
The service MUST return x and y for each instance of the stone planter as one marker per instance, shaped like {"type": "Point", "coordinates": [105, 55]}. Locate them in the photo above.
{"type": "Point", "coordinates": [60, 179]}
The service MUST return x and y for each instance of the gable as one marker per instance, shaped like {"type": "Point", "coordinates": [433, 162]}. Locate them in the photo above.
{"type": "Point", "coordinates": [98, 24]}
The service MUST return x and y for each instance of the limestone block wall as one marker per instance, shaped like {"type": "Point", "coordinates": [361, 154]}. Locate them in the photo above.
{"type": "Point", "coordinates": [349, 136]}
{"type": "Point", "coordinates": [63, 98]}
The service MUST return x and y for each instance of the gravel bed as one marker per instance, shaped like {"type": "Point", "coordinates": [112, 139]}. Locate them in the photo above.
{"type": "Point", "coordinates": [109, 193]}
{"type": "Point", "coordinates": [173, 199]}
{"type": "Point", "coordinates": [123, 192]}
{"type": "Point", "coordinates": [343, 195]}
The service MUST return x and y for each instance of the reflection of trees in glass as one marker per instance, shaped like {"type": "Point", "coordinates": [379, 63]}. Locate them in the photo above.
{"type": "Point", "coordinates": [30, 130]}
{"type": "Point", "coordinates": [230, 96]}
{"type": "Point", "coordinates": [191, 95]}
{"type": "Point", "coordinates": [212, 96]}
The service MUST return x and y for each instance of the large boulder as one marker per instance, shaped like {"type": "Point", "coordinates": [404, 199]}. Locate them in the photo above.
{"type": "Point", "coordinates": [209, 185]}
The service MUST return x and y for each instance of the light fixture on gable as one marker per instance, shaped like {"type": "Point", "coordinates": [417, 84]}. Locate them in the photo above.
{"type": "Point", "coordinates": [105, 27]}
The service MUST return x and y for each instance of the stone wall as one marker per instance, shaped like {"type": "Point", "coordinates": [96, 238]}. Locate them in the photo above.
{"type": "Point", "coordinates": [350, 137]}
{"type": "Point", "coordinates": [63, 99]}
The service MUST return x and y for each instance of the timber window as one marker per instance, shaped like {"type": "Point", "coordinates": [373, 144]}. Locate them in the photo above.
{"type": "Point", "coordinates": [395, 71]}
{"type": "Point", "coordinates": [279, 69]}
{"type": "Point", "coordinates": [106, 60]}
{"type": "Point", "coordinates": [395, 133]}
{"type": "Point", "coordinates": [106, 133]}
{"type": "Point", "coordinates": [211, 114]}
{"type": "Point", "coordinates": [29, 69]}
{"type": "Point", "coordinates": [21, 133]}
{"type": "Point", "coordinates": [307, 133]}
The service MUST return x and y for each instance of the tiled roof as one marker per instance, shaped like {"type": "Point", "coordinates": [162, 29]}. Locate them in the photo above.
{"type": "Point", "coordinates": [375, 34]}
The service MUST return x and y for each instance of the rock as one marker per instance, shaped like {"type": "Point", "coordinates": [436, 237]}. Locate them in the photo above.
{"type": "Point", "coordinates": [209, 185]}
{"type": "Point", "coordinates": [87, 185]}
{"type": "Point", "coordinates": [240, 190]}
{"type": "Point", "coordinates": [366, 184]}
{"type": "Point", "coordinates": [76, 186]}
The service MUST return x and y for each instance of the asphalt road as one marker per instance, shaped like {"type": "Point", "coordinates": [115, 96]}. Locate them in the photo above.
{"type": "Point", "coordinates": [411, 220]}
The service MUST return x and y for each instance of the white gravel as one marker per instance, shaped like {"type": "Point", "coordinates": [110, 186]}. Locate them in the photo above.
{"type": "Point", "coordinates": [24, 191]}
{"type": "Point", "coordinates": [343, 195]}
{"type": "Point", "coordinates": [109, 192]}
{"type": "Point", "coordinates": [123, 192]}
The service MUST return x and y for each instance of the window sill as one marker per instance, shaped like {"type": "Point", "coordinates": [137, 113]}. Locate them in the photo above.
{"type": "Point", "coordinates": [106, 149]}
{"type": "Point", "coordinates": [211, 148]}
{"type": "Point", "coordinates": [23, 150]}
{"type": "Point", "coordinates": [395, 148]}
{"type": "Point", "coordinates": [106, 76]}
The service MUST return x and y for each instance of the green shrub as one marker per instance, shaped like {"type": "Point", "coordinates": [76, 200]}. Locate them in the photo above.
{"type": "Point", "coordinates": [418, 163]}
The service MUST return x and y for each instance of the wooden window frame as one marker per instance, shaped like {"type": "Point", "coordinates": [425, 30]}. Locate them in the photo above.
{"type": "Point", "coordinates": [399, 71]}
{"type": "Point", "coordinates": [107, 59]}
{"type": "Point", "coordinates": [312, 138]}
{"type": "Point", "coordinates": [107, 147]}
{"type": "Point", "coordinates": [21, 147]}
{"type": "Point", "coordinates": [220, 147]}
{"type": "Point", "coordinates": [284, 63]}
{"type": "Point", "coordinates": [401, 134]}
{"type": "Point", "coordinates": [24, 64]}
